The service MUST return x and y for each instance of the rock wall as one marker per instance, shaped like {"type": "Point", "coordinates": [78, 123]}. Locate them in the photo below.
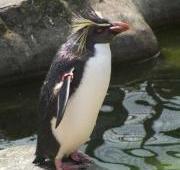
{"type": "Point", "coordinates": [137, 43]}
{"type": "Point", "coordinates": [32, 31]}
{"type": "Point", "coordinates": [159, 13]}
{"type": "Point", "coordinates": [30, 35]}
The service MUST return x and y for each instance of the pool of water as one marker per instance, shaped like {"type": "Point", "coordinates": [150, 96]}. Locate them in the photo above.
{"type": "Point", "coordinates": [139, 124]}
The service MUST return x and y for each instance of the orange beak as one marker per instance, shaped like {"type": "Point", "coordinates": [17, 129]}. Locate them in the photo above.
{"type": "Point", "coordinates": [119, 27]}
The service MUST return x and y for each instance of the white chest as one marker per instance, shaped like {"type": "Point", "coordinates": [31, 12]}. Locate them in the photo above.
{"type": "Point", "coordinates": [99, 66]}
{"type": "Point", "coordinates": [84, 105]}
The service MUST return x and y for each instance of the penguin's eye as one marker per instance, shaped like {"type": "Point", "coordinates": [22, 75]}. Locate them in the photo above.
{"type": "Point", "coordinates": [100, 30]}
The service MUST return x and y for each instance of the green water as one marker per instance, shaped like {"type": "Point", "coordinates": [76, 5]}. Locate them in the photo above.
{"type": "Point", "coordinates": [139, 125]}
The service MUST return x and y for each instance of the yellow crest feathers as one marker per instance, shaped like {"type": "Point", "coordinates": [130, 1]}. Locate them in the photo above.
{"type": "Point", "coordinates": [82, 25]}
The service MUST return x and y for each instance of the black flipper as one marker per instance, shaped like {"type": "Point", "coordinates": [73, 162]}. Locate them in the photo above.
{"type": "Point", "coordinates": [62, 98]}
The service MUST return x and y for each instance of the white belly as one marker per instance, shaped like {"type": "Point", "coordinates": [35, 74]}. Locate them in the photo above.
{"type": "Point", "coordinates": [83, 107]}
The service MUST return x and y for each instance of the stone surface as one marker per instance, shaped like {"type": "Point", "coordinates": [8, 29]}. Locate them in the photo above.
{"type": "Point", "coordinates": [19, 155]}
{"type": "Point", "coordinates": [32, 31]}
{"type": "Point", "coordinates": [137, 43]}
{"type": "Point", "coordinates": [30, 35]}
{"type": "Point", "coordinates": [7, 3]}
{"type": "Point", "coordinates": [159, 13]}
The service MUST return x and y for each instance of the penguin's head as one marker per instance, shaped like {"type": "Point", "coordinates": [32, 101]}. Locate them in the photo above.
{"type": "Point", "coordinates": [104, 33]}
{"type": "Point", "coordinates": [93, 29]}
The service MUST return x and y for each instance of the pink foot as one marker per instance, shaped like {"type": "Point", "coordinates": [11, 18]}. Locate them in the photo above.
{"type": "Point", "coordinates": [58, 164]}
{"type": "Point", "coordinates": [81, 157]}
{"type": "Point", "coordinates": [69, 165]}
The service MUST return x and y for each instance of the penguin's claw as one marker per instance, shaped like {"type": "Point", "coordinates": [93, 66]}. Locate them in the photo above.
{"type": "Point", "coordinates": [81, 157]}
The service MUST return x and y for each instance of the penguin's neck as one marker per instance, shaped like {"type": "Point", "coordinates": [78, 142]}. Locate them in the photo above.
{"type": "Point", "coordinates": [101, 49]}
{"type": "Point", "coordinates": [69, 49]}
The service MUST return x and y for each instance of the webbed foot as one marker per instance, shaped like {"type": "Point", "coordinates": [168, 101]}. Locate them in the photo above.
{"type": "Point", "coordinates": [78, 164]}
{"type": "Point", "coordinates": [81, 157]}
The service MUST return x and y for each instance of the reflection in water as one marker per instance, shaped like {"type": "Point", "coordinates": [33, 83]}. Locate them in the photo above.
{"type": "Point", "coordinates": [108, 120]}
{"type": "Point", "coordinates": [141, 141]}
{"type": "Point", "coordinates": [18, 108]}
{"type": "Point", "coordinates": [158, 108]}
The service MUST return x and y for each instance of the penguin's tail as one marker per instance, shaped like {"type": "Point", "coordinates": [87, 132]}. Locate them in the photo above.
{"type": "Point", "coordinates": [39, 160]}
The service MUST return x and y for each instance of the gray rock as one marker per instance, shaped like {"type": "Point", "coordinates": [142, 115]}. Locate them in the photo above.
{"type": "Point", "coordinates": [19, 155]}
{"type": "Point", "coordinates": [137, 43]}
{"type": "Point", "coordinates": [18, 158]}
{"type": "Point", "coordinates": [159, 13]}
{"type": "Point", "coordinates": [32, 31]}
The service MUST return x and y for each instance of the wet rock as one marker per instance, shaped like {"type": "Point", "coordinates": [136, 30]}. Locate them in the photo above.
{"type": "Point", "coordinates": [18, 158]}
{"type": "Point", "coordinates": [19, 155]}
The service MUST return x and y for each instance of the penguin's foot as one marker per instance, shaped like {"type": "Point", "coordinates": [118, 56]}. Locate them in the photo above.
{"type": "Point", "coordinates": [81, 157]}
{"type": "Point", "coordinates": [58, 164]}
{"type": "Point", "coordinates": [69, 165]}
{"type": "Point", "coordinates": [75, 167]}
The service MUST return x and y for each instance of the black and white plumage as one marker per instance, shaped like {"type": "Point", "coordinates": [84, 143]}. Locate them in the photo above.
{"type": "Point", "coordinates": [69, 105]}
